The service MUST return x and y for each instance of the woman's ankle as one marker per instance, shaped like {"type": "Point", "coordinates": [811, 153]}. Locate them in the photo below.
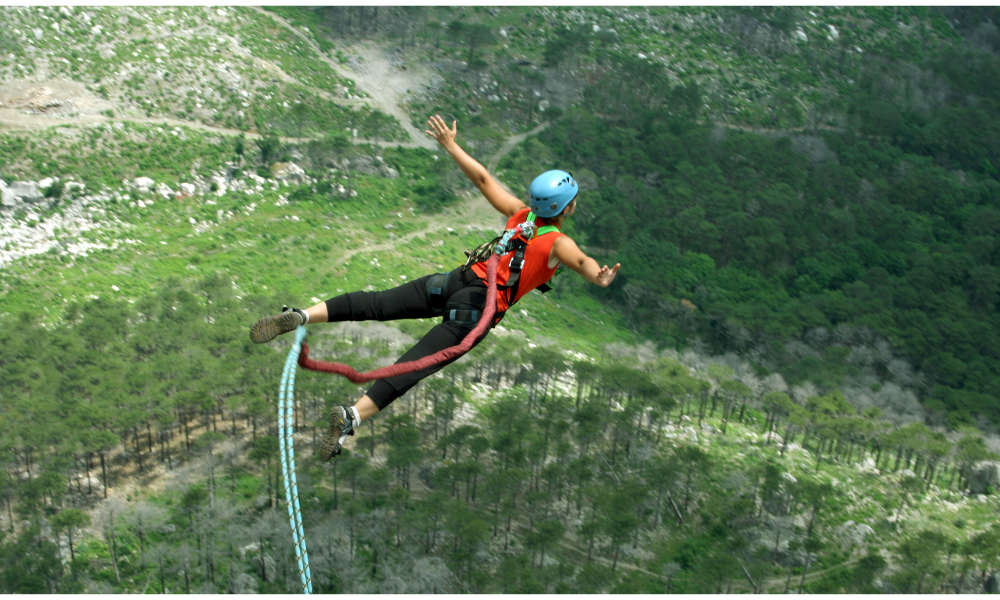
{"type": "Point", "coordinates": [366, 408]}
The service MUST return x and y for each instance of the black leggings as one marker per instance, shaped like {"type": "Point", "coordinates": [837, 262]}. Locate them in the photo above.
{"type": "Point", "coordinates": [464, 291]}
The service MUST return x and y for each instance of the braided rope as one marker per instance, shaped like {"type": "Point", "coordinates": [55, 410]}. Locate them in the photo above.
{"type": "Point", "coordinates": [286, 444]}
{"type": "Point", "coordinates": [416, 365]}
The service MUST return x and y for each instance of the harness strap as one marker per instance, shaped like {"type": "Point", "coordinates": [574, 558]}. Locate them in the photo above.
{"type": "Point", "coordinates": [461, 316]}
{"type": "Point", "coordinates": [517, 261]}
{"type": "Point", "coordinates": [435, 291]}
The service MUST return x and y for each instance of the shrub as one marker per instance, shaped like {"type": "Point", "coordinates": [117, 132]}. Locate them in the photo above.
{"type": "Point", "coordinates": [55, 190]}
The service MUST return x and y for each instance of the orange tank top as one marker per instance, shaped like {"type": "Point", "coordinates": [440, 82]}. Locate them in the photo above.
{"type": "Point", "coordinates": [535, 271]}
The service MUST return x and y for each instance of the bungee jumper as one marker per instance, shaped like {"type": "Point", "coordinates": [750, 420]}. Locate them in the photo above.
{"type": "Point", "coordinates": [471, 299]}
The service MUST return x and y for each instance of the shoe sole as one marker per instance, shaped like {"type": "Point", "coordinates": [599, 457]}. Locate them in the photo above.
{"type": "Point", "coordinates": [330, 446]}
{"type": "Point", "coordinates": [269, 328]}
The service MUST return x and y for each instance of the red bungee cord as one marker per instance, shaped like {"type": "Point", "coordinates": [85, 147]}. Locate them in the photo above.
{"type": "Point", "coordinates": [416, 365]}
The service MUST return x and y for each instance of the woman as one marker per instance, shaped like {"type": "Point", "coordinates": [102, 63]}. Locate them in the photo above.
{"type": "Point", "coordinates": [458, 296]}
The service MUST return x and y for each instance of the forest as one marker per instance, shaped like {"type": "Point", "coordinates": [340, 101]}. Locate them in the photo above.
{"type": "Point", "coordinates": [640, 473]}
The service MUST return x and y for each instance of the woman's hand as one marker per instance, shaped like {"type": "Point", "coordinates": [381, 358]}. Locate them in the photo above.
{"type": "Point", "coordinates": [605, 275]}
{"type": "Point", "coordinates": [439, 131]}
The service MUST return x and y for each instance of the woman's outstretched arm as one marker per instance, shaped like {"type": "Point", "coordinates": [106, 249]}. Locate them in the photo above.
{"type": "Point", "coordinates": [570, 255]}
{"type": "Point", "coordinates": [501, 200]}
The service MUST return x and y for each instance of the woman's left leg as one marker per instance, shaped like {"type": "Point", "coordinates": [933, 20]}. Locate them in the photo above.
{"type": "Point", "coordinates": [384, 391]}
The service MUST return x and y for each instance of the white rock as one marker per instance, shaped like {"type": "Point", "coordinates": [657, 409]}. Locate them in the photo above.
{"type": "Point", "coordinates": [984, 474]}
{"type": "Point", "coordinates": [47, 182]}
{"type": "Point", "coordinates": [789, 478]}
{"type": "Point", "coordinates": [7, 198]}
{"type": "Point", "coordinates": [641, 55]}
{"type": "Point", "coordinates": [289, 172]}
{"type": "Point", "coordinates": [868, 466]}
{"type": "Point", "coordinates": [800, 35]}
{"type": "Point", "coordinates": [143, 184]}
{"type": "Point", "coordinates": [853, 534]}
{"type": "Point", "coordinates": [220, 184]}
{"type": "Point", "coordinates": [833, 32]}
{"type": "Point", "coordinates": [28, 191]}
{"type": "Point", "coordinates": [163, 190]}
{"type": "Point", "coordinates": [187, 189]}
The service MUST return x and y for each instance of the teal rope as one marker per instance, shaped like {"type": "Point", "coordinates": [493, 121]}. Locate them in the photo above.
{"type": "Point", "coordinates": [285, 395]}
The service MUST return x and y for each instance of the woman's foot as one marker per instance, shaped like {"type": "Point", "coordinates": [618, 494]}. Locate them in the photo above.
{"type": "Point", "coordinates": [271, 327]}
{"type": "Point", "coordinates": [343, 420]}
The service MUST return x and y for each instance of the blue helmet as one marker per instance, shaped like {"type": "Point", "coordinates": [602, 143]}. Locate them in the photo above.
{"type": "Point", "coordinates": [550, 192]}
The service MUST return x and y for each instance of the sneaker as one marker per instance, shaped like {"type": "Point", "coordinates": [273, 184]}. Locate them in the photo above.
{"type": "Point", "coordinates": [269, 328]}
{"type": "Point", "coordinates": [341, 425]}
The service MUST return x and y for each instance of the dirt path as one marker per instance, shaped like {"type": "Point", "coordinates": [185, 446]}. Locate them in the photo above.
{"type": "Point", "coordinates": [785, 131]}
{"type": "Point", "coordinates": [16, 120]}
{"type": "Point", "coordinates": [779, 582]}
{"type": "Point", "coordinates": [512, 141]}
{"type": "Point", "coordinates": [386, 84]}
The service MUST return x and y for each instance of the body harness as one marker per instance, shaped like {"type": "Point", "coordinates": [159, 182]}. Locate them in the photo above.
{"type": "Point", "coordinates": [512, 240]}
